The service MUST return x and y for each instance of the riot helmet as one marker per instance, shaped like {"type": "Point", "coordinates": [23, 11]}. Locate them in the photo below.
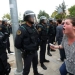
{"type": "Point", "coordinates": [4, 22]}
{"type": "Point", "coordinates": [29, 16]}
{"type": "Point", "coordinates": [43, 19]}
{"type": "Point", "coordinates": [50, 20]}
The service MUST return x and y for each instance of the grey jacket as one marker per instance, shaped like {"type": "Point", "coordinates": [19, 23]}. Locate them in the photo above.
{"type": "Point", "coordinates": [59, 33]}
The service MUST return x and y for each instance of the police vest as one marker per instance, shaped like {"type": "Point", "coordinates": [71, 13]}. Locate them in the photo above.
{"type": "Point", "coordinates": [30, 41]}
{"type": "Point", "coordinates": [43, 32]}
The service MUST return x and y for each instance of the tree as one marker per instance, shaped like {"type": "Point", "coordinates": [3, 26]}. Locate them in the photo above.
{"type": "Point", "coordinates": [57, 15]}
{"type": "Point", "coordinates": [42, 13]}
{"type": "Point", "coordinates": [61, 8]}
{"type": "Point", "coordinates": [6, 16]}
{"type": "Point", "coordinates": [72, 11]}
{"type": "Point", "coordinates": [54, 14]}
{"type": "Point", "coordinates": [60, 16]}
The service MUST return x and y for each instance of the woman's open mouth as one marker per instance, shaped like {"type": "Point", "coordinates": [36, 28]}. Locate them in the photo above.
{"type": "Point", "coordinates": [63, 28]}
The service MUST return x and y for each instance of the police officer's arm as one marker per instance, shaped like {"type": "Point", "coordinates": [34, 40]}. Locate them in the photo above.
{"type": "Point", "coordinates": [8, 30]}
{"type": "Point", "coordinates": [39, 31]}
{"type": "Point", "coordinates": [19, 38]}
{"type": "Point", "coordinates": [50, 30]}
{"type": "Point", "coordinates": [5, 32]}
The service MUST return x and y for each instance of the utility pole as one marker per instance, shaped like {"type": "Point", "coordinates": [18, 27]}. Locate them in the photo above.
{"type": "Point", "coordinates": [15, 25]}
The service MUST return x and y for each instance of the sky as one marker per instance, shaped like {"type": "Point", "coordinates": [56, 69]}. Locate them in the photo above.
{"type": "Point", "coordinates": [35, 5]}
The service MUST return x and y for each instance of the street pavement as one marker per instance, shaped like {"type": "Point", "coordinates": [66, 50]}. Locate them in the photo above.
{"type": "Point", "coordinates": [52, 67]}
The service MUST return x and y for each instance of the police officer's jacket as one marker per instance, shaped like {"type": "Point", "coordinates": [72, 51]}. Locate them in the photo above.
{"type": "Point", "coordinates": [42, 29]}
{"type": "Point", "coordinates": [3, 38]}
{"type": "Point", "coordinates": [51, 31]}
{"type": "Point", "coordinates": [26, 38]}
{"type": "Point", "coordinates": [8, 28]}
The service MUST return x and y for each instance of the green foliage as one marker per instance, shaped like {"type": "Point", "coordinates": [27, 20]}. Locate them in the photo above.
{"type": "Point", "coordinates": [68, 16]}
{"type": "Point", "coordinates": [60, 16]}
{"type": "Point", "coordinates": [72, 11]}
{"type": "Point", "coordinates": [6, 16]}
{"type": "Point", "coordinates": [42, 13]}
{"type": "Point", "coordinates": [54, 14]}
{"type": "Point", "coordinates": [63, 6]}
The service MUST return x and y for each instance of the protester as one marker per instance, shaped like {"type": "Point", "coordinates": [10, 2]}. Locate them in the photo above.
{"type": "Point", "coordinates": [59, 36]}
{"type": "Point", "coordinates": [68, 43]}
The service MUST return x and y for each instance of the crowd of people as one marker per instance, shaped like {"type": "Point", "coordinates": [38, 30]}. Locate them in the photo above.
{"type": "Point", "coordinates": [30, 37]}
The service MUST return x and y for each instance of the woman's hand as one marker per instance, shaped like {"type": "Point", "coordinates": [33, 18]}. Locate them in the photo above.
{"type": "Point", "coordinates": [55, 46]}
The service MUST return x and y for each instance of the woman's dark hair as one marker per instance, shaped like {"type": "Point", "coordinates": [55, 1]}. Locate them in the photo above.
{"type": "Point", "coordinates": [72, 20]}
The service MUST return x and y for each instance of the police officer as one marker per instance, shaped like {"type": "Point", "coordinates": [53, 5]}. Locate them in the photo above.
{"type": "Point", "coordinates": [51, 36]}
{"type": "Point", "coordinates": [27, 41]}
{"type": "Point", "coordinates": [4, 65]}
{"type": "Point", "coordinates": [48, 34]}
{"type": "Point", "coordinates": [7, 27]}
{"type": "Point", "coordinates": [8, 41]}
{"type": "Point", "coordinates": [42, 29]}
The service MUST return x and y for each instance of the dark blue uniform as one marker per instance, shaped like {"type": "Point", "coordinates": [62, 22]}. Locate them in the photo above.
{"type": "Point", "coordinates": [59, 36]}
{"type": "Point", "coordinates": [8, 41]}
{"type": "Point", "coordinates": [51, 35]}
{"type": "Point", "coordinates": [4, 66]}
{"type": "Point", "coordinates": [27, 41]}
{"type": "Point", "coordinates": [42, 29]}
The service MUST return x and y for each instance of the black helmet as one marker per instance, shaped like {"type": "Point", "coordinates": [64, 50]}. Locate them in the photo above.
{"type": "Point", "coordinates": [27, 15]}
{"type": "Point", "coordinates": [50, 19]}
{"type": "Point", "coordinates": [4, 22]}
{"type": "Point", "coordinates": [42, 19]}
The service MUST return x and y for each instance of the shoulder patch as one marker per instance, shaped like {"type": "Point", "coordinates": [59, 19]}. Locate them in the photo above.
{"type": "Point", "coordinates": [0, 28]}
{"type": "Point", "coordinates": [39, 29]}
{"type": "Point", "coordinates": [18, 32]}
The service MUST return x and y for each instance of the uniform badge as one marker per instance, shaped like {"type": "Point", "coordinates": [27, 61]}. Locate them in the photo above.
{"type": "Point", "coordinates": [0, 28]}
{"type": "Point", "coordinates": [18, 32]}
{"type": "Point", "coordinates": [39, 29]}
{"type": "Point", "coordinates": [47, 26]}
